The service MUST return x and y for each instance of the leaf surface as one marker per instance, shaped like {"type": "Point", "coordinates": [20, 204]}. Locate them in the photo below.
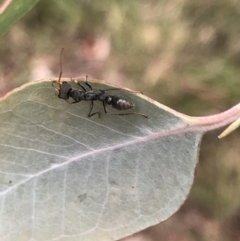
{"type": "Point", "coordinates": [67, 177]}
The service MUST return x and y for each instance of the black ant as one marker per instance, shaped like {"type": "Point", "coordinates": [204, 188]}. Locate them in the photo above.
{"type": "Point", "coordinates": [118, 102]}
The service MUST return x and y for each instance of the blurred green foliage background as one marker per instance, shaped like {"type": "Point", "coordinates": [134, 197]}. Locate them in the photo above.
{"type": "Point", "coordinates": [184, 54]}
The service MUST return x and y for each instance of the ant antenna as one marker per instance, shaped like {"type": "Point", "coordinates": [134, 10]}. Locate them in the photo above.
{"type": "Point", "coordinates": [58, 82]}
{"type": "Point", "coordinates": [61, 60]}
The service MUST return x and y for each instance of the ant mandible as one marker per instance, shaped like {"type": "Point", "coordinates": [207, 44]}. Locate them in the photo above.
{"type": "Point", "coordinates": [65, 92]}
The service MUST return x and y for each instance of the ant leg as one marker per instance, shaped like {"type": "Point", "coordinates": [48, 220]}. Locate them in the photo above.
{"type": "Point", "coordinates": [90, 110]}
{"type": "Point", "coordinates": [82, 87]}
{"type": "Point", "coordinates": [69, 102]}
{"type": "Point", "coordinates": [104, 107]}
{"type": "Point", "coordinates": [132, 113]}
{"type": "Point", "coordinates": [86, 83]}
{"type": "Point", "coordinates": [91, 107]}
{"type": "Point", "coordinates": [79, 84]}
{"type": "Point", "coordinates": [74, 102]}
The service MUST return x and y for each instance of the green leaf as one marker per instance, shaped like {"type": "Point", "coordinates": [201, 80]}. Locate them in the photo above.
{"type": "Point", "coordinates": [12, 10]}
{"type": "Point", "coordinates": [67, 177]}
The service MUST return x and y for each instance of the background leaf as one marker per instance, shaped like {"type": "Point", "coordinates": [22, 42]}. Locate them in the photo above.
{"type": "Point", "coordinates": [184, 54]}
{"type": "Point", "coordinates": [68, 177]}
{"type": "Point", "coordinates": [12, 11]}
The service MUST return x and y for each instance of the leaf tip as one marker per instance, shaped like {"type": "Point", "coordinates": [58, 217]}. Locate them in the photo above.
{"type": "Point", "coordinates": [230, 129]}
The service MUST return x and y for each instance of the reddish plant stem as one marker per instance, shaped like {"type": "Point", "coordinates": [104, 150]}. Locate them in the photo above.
{"type": "Point", "coordinates": [217, 121]}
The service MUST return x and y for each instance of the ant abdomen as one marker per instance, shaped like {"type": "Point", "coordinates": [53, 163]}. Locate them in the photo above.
{"type": "Point", "coordinates": [118, 102]}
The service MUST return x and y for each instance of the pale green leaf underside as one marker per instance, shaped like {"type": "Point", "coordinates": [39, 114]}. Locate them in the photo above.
{"type": "Point", "coordinates": [67, 177]}
{"type": "Point", "coordinates": [13, 12]}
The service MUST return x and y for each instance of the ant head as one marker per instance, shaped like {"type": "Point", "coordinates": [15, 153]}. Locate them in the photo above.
{"type": "Point", "coordinates": [65, 89]}
{"type": "Point", "coordinates": [62, 89]}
